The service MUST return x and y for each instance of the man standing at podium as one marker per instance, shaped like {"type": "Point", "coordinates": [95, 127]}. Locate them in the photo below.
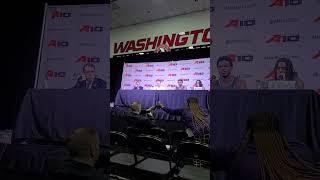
{"type": "Point", "coordinates": [88, 79]}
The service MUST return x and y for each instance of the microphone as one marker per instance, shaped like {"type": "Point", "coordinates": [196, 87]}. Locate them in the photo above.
{"type": "Point", "coordinates": [281, 76]}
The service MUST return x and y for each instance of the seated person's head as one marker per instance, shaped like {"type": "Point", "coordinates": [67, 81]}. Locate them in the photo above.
{"type": "Point", "coordinates": [198, 83]}
{"type": "Point", "coordinates": [158, 82]}
{"type": "Point", "coordinates": [83, 144]}
{"type": "Point", "coordinates": [89, 71]}
{"type": "Point", "coordinates": [136, 83]}
{"type": "Point", "coordinates": [136, 107]}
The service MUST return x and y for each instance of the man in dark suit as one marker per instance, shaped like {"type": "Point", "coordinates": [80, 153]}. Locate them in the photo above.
{"type": "Point", "coordinates": [90, 81]}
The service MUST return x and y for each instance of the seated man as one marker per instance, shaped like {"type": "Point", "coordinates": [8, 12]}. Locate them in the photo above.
{"type": "Point", "coordinates": [141, 118]}
{"type": "Point", "coordinates": [83, 145]}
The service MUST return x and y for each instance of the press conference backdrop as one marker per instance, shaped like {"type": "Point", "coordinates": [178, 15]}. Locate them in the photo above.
{"type": "Point", "coordinates": [167, 74]}
{"type": "Point", "coordinates": [73, 35]}
{"type": "Point", "coordinates": [255, 34]}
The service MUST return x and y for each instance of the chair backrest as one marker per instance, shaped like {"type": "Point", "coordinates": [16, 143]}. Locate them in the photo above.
{"type": "Point", "coordinates": [159, 132]}
{"type": "Point", "coordinates": [152, 146]}
{"type": "Point", "coordinates": [192, 150]}
{"type": "Point", "coordinates": [118, 139]}
{"type": "Point", "coordinates": [132, 131]}
{"type": "Point", "coordinates": [178, 136]}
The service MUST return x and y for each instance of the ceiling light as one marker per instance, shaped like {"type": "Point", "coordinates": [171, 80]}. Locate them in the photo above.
{"type": "Point", "coordinates": [190, 47]}
{"type": "Point", "coordinates": [141, 53]}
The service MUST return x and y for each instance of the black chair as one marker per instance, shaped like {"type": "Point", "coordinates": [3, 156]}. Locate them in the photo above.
{"type": "Point", "coordinates": [178, 136]}
{"type": "Point", "coordinates": [160, 133]}
{"type": "Point", "coordinates": [132, 131]}
{"type": "Point", "coordinates": [196, 160]}
{"type": "Point", "coordinates": [123, 158]}
{"type": "Point", "coordinates": [159, 163]}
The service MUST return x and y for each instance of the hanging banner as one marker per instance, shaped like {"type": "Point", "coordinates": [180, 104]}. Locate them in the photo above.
{"type": "Point", "coordinates": [271, 44]}
{"type": "Point", "coordinates": [74, 50]}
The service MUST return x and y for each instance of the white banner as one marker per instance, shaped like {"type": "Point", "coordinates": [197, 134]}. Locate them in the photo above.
{"type": "Point", "coordinates": [257, 34]}
{"type": "Point", "coordinates": [74, 50]}
{"type": "Point", "coordinates": [171, 75]}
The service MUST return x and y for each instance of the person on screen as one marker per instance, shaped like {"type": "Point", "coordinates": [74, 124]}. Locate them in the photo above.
{"type": "Point", "coordinates": [180, 85]}
{"type": "Point", "coordinates": [196, 119]}
{"type": "Point", "coordinates": [198, 85]}
{"type": "Point", "coordinates": [284, 71]}
{"type": "Point", "coordinates": [89, 80]}
{"type": "Point", "coordinates": [136, 85]}
{"type": "Point", "coordinates": [158, 85]}
{"type": "Point", "coordinates": [141, 118]}
{"type": "Point", "coordinates": [226, 79]}
{"type": "Point", "coordinates": [83, 145]}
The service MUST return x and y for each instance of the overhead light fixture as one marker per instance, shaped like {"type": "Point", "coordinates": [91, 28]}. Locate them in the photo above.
{"type": "Point", "coordinates": [141, 53]}
{"type": "Point", "coordinates": [162, 49]}
{"type": "Point", "coordinates": [182, 33]}
{"type": "Point", "coordinates": [190, 47]}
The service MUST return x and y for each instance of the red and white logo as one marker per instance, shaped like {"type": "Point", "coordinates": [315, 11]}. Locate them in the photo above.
{"type": "Point", "coordinates": [185, 69]}
{"type": "Point", "coordinates": [172, 64]}
{"type": "Point", "coordinates": [55, 43]}
{"type": "Point", "coordinates": [198, 62]}
{"type": "Point", "coordinates": [285, 3]}
{"type": "Point", "coordinates": [171, 85]}
{"type": "Point", "coordinates": [236, 23]}
{"type": "Point", "coordinates": [278, 38]}
{"type": "Point", "coordinates": [59, 14]}
{"type": "Point", "coordinates": [171, 75]}
{"type": "Point", "coordinates": [90, 28]}
{"type": "Point", "coordinates": [198, 73]}
{"type": "Point", "coordinates": [88, 59]}
{"type": "Point", "coordinates": [55, 74]}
